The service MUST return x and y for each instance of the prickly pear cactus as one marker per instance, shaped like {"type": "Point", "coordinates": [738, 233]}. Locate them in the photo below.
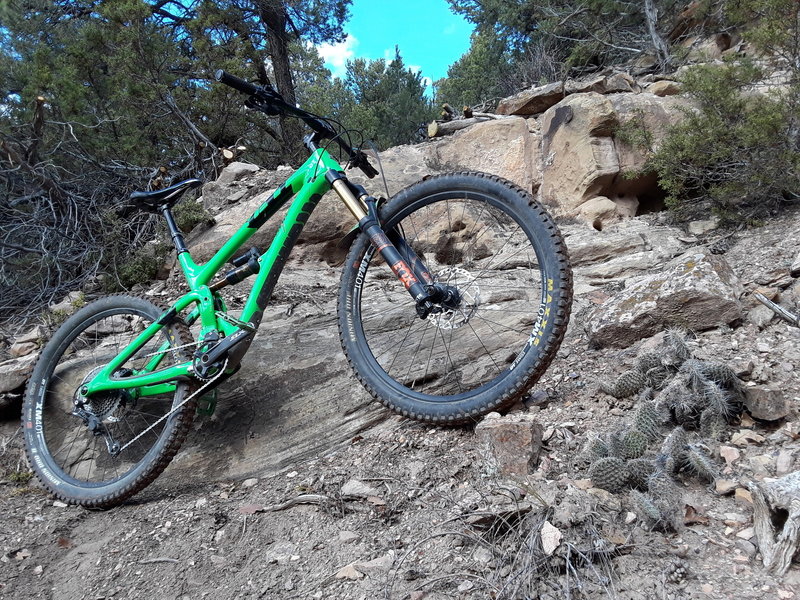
{"type": "Point", "coordinates": [639, 471]}
{"type": "Point", "coordinates": [700, 463]}
{"type": "Point", "coordinates": [667, 498]}
{"type": "Point", "coordinates": [628, 384]}
{"type": "Point", "coordinates": [634, 444]}
{"type": "Point", "coordinates": [713, 426]}
{"type": "Point", "coordinates": [674, 450]}
{"type": "Point", "coordinates": [645, 507]}
{"type": "Point", "coordinates": [610, 474]}
{"type": "Point", "coordinates": [595, 449]}
{"type": "Point", "coordinates": [647, 420]}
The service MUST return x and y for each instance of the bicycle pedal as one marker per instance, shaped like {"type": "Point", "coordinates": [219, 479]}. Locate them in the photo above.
{"type": "Point", "coordinates": [207, 404]}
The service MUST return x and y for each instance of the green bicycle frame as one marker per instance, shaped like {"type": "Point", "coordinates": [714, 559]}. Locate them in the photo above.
{"type": "Point", "coordinates": [307, 185]}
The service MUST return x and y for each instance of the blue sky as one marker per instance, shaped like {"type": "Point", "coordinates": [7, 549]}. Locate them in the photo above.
{"type": "Point", "coordinates": [430, 36]}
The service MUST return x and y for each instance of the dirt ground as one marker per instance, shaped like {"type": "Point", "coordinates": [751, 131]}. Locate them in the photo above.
{"type": "Point", "coordinates": [408, 511]}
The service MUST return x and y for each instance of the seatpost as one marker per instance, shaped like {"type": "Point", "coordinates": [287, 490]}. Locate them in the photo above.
{"type": "Point", "coordinates": [174, 232]}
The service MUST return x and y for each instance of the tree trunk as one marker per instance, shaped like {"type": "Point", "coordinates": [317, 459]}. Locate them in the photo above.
{"type": "Point", "coordinates": [651, 15]}
{"type": "Point", "coordinates": [442, 128]}
{"type": "Point", "coordinates": [273, 16]}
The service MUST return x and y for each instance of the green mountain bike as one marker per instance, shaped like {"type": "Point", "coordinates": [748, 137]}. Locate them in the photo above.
{"type": "Point", "coordinates": [454, 298]}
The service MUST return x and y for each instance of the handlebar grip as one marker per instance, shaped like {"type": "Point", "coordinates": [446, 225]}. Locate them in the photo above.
{"type": "Point", "coordinates": [238, 84]}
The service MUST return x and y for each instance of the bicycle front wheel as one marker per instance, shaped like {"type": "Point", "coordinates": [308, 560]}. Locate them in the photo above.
{"type": "Point", "coordinates": [102, 452]}
{"type": "Point", "coordinates": [489, 240]}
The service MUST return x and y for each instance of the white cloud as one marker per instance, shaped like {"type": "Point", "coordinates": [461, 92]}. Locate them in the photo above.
{"type": "Point", "coordinates": [337, 55]}
{"type": "Point", "coordinates": [414, 68]}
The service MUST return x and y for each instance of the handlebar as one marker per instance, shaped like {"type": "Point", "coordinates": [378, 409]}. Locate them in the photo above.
{"type": "Point", "coordinates": [236, 83]}
{"type": "Point", "coordinates": [267, 100]}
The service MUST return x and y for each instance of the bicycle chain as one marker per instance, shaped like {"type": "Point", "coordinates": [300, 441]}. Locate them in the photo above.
{"type": "Point", "coordinates": [166, 415]}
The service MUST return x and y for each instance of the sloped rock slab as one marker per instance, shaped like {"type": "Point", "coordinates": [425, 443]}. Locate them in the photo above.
{"type": "Point", "coordinates": [697, 290]}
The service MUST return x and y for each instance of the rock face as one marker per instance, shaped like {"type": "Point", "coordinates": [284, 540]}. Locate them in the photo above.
{"type": "Point", "coordinates": [697, 290]}
{"type": "Point", "coordinates": [586, 162]}
{"type": "Point", "coordinates": [504, 147]}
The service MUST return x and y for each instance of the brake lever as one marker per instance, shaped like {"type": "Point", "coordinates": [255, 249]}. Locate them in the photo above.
{"type": "Point", "coordinates": [359, 159]}
{"type": "Point", "coordinates": [262, 105]}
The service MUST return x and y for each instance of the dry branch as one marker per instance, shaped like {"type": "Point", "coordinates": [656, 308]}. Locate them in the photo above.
{"type": "Point", "coordinates": [776, 518]}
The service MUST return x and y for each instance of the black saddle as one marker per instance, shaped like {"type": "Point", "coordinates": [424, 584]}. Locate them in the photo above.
{"type": "Point", "coordinates": [168, 197]}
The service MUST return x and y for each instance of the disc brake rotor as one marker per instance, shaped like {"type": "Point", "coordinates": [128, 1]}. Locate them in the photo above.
{"type": "Point", "coordinates": [453, 318]}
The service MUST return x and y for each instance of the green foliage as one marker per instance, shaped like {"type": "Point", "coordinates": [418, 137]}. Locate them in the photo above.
{"type": "Point", "coordinates": [738, 153]}
{"type": "Point", "coordinates": [189, 214]}
{"type": "Point", "coordinates": [388, 101]}
{"type": "Point", "coordinates": [478, 76]}
{"type": "Point", "coordinates": [144, 265]}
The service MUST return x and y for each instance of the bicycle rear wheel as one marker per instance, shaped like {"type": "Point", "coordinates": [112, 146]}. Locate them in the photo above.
{"type": "Point", "coordinates": [76, 462]}
{"type": "Point", "coordinates": [489, 240]}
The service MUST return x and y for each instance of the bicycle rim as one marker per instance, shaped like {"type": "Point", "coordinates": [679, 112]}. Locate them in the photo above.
{"type": "Point", "coordinates": [78, 456]}
{"type": "Point", "coordinates": [479, 246]}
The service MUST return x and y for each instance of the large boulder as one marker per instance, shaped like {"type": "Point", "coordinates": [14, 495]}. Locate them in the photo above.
{"type": "Point", "coordinates": [532, 101]}
{"type": "Point", "coordinates": [579, 160]}
{"type": "Point", "coordinates": [15, 372]}
{"type": "Point", "coordinates": [696, 290]}
{"type": "Point", "coordinates": [503, 147]}
{"type": "Point", "coordinates": [590, 169]}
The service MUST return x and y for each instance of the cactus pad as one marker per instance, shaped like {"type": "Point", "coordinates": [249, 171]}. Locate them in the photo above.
{"type": "Point", "coordinates": [609, 473]}
{"type": "Point", "coordinates": [634, 444]}
{"type": "Point", "coordinates": [639, 471]}
{"type": "Point", "coordinates": [628, 384]}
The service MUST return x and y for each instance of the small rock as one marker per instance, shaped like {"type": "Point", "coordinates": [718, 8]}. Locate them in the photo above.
{"type": "Point", "coordinates": [766, 402]}
{"type": "Point", "coordinates": [725, 486]}
{"type": "Point", "coordinates": [465, 586]}
{"type": "Point", "coordinates": [201, 502]}
{"type": "Point", "coordinates": [248, 483]}
{"type": "Point", "coordinates": [746, 534]}
{"type": "Point", "coordinates": [358, 489]}
{"type": "Point", "coordinates": [664, 87]}
{"type": "Point", "coordinates": [730, 454]}
{"type": "Point", "coordinates": [509, 445]}
{"type": "Point", "coordinates": [37, 334]}
{"type": "Point", "coordinates": [551, 538]}
{"type": "Point", "coordinates": [761, 464]}
{"type": "Point", "coordinates": [60, 504]}
{"type": "Point", "coordinates": [15, 372]}
{"type": "Point", "coordinates": [482, 555]}
{"type": "Point", "coordinates": [784, 462]}
{"type": "Point", "coordinates": [381, 564]}
{"type": "Point", "coordinates": [69, 304]}
{"type": "Point", "coordinates": [19, 349]}
{"type": "Point", "coordinates": [606, 499]}
{"type": "Point", "coordinates": [760, 316]}
{"type": "Point", "coordinates": [746, 547]}
{"type": "Point", "coordinates": [38, 570]}
{"type": "Point", "coordinates": [743, 495]}
{"type": "Point", "coordinates": [348, 537]}
{"type": "Point", "coordinates": [794, 270]}
{"type": "Point", "coordinates": [349, 572]}
{"type": "Point", "coordinates": [218, 561]}
{"type": "Point", "coordinates": [701, 227]}
{"type": "Point", "coordinates": [630, 517]}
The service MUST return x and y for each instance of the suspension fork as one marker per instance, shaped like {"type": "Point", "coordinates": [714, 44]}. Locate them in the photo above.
{"type": "Point", "coordinates": [393, 248]}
